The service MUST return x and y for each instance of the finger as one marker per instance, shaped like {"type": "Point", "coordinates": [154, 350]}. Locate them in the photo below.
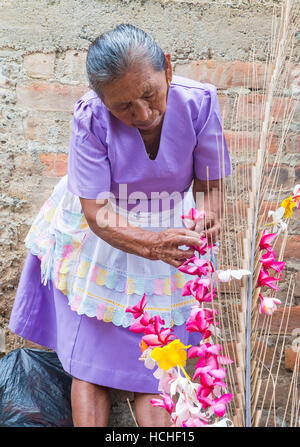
{"type": "Point", "coordinates": [184, 254]}
{"type": "Point", "coordinates": [188, 232]}
{"type": "Point", "coordinates": [175, 262]}
{"type": "Point", "coordinates": [187, 241]}
{"type": "Point", "coordinates": [212, 233]}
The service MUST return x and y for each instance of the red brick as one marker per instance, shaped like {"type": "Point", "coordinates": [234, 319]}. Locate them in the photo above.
{"type": "Point", "coordinates": [293, 144]}
{"type": "Point", "coordinates": [252, 107]}
{"type": "Point", "coordinates": [290, 358]}
{"type": "Point", "coordinates": [292, 248]}
{"type": "Point", "coordinates": [60, 165]}
{"type": "Point", "coordinates": [48, 161]}
{"type": "Point", "coordinates": [51, 97]}
{"type": "Point", "coordinates": [224, 74]}
{"type": "Point", "coordinates": [39, 65]}
{"type": "Point", "coordinates": [281, 312]}
{"type": "Point", "coordinates": [283, 176]}
{"type": "Point", "coordinates": [249, 142]}
{"type": "Point", "coordinates": [55, 164]}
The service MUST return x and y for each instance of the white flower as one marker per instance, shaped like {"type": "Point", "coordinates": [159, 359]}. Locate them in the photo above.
{"type": "Point", "coordinates": [164, 378]}
{"type": "Point", "coordinates": [277, 220]}
{"type": "Point", "coordinates": [227, 275]}
{"type": "Point", "coordinates": [148, 360]}
{"type": "Point", "coordinates": [185, 409]}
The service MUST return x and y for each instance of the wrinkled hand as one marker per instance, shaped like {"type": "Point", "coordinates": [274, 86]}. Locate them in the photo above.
{"type": "Point", "coordinates": [166, 243]}
{"type": "Point", "coordinates": [208, 227]}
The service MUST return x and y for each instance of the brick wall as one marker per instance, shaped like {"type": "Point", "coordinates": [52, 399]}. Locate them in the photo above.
{"type": "Point", "coordinates": [42, 74]}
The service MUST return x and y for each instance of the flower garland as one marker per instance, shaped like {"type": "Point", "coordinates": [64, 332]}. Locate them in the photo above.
{"type": "Point", "coordinates": [268, 259]}
{"type": "Point", "coordinates": [200, 403]}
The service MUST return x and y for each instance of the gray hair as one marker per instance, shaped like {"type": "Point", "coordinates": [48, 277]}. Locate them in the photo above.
{"type": "Point", "coordinates": [114, 52]}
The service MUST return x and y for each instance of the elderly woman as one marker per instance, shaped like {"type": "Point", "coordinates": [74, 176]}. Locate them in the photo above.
{"type": "Point", "coordinates": [139, 135]}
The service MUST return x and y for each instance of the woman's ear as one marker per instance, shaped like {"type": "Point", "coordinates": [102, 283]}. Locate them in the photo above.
{"type": "Point", "coordinates": [168, 68]}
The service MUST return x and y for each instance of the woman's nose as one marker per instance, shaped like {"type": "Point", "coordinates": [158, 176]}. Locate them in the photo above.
{"type": "Point", "coordinates": [141, 111]}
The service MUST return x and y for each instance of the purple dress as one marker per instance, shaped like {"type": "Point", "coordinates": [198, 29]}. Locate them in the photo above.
{"type": "Point", "coordinates": [106, 157]}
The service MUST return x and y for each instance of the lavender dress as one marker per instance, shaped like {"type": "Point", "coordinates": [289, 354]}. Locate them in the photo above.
{"type": "Point", "coordinates": [74, 287]}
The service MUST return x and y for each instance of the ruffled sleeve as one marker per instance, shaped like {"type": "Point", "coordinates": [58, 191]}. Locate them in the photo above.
{"type": "Point", "coordinates": [211, 157]}
{"type": "Point", "coordinates": [89, 171]}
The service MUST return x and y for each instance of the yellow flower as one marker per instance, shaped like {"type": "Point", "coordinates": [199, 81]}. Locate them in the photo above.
{"type": "Point", "coordinates": [170, 355]}
{"type": "Point", "coordinates": [288, 205]}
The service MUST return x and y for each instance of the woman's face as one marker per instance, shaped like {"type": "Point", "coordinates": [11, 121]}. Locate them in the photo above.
{"type": "Point", "coordinates": [139, 98]}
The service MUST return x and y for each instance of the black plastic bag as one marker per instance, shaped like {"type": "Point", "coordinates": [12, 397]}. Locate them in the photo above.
{"type": "Point", "coordinates": [35, 391]}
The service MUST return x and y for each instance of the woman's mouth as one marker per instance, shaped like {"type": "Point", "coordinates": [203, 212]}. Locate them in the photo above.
{"type": "Point", "coordinates": [149, 126]}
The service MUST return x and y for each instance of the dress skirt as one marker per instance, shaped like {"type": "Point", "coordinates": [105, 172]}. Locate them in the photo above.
{"type": "Point", "coordinates": [74, 290]}
{"type": "Point", "coordinates": [88, 349]}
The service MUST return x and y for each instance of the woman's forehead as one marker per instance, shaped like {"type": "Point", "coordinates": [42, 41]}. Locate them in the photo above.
{"type": "Point", "coordinates": [133, 85]}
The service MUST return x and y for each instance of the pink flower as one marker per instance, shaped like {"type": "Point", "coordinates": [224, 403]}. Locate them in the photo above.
{"type": "Point", "coordinates": [265, 280]}
{"type": "Point", "coordinates": [266, 239]}
{"type": "Point", "coordinates": [200, 289]}
{"type": "Point", "coordinates": [201, 351]}
{"type": "Point", "coordinates": [198, 323]}
{"type": "Point", "coordinates": [154, 326]}
{"type": "Point", "coordinates": [268, 305]}
{"type": "Point", "coordinates": [161, 339]}
{"type": "Point", "coordinates": [194, 214]}
{"type": "Point", "coordinates": [138, 309]}
{"type": "Point", "coordinates": [268, 261]}
{"type": "Point", "coordinates": [137, 327]}
{"type": "Point", "coordinates": [166, 402]}
{"type": "Point", "coordinates": [208, 384]}
{"type": "Point", "coordinates": [218, 405]}
{"type": "Point", "coordinates": [296, 196]}
{"type": "Point", "coordinates": [199, 266]}
{"type": "Point", "coordinates": [202, 250]}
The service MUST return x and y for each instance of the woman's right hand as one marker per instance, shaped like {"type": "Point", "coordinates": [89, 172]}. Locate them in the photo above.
{"type": "Point", "coordinates": [165, 245]}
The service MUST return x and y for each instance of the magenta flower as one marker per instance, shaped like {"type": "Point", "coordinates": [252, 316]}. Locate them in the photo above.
{"type": "Point", "coordinates": [138, 309]}
{"type": "Point", "coordinates": [265, 280]}
{"type": "Point", "coordinates": [200, 289]}
{"type": "Point", "coordinates": [201, 351]}
{"type": "Point", "coordinates": [218, 405]}
{"type": "Point", "coordinates": [198, 323]}
{"type": "Point", "coordinates": [194, 214]}
{"type": "Point", "coordinates": [202, 250]}
{"type": "Point", "coordinates": [266, 239]}
{"type": "Point", "coordinates": [137, 327]}
{"type": "Point", "coordinates": [268, 261]}
{"type": "Point", "coordinates": [154, 326]}
{"type": "Point", "coordinates": [199, 266]}
{"type": "Point", "coordinates": [208, 385]}
{"type": "Point", "coordinates": [161, 339]}
{"type": "Point", "coordinates": [166, 402]}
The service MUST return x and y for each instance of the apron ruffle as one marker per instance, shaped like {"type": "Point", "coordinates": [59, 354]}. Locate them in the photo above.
{"type": "Point", "coordinates": [100, 280]}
